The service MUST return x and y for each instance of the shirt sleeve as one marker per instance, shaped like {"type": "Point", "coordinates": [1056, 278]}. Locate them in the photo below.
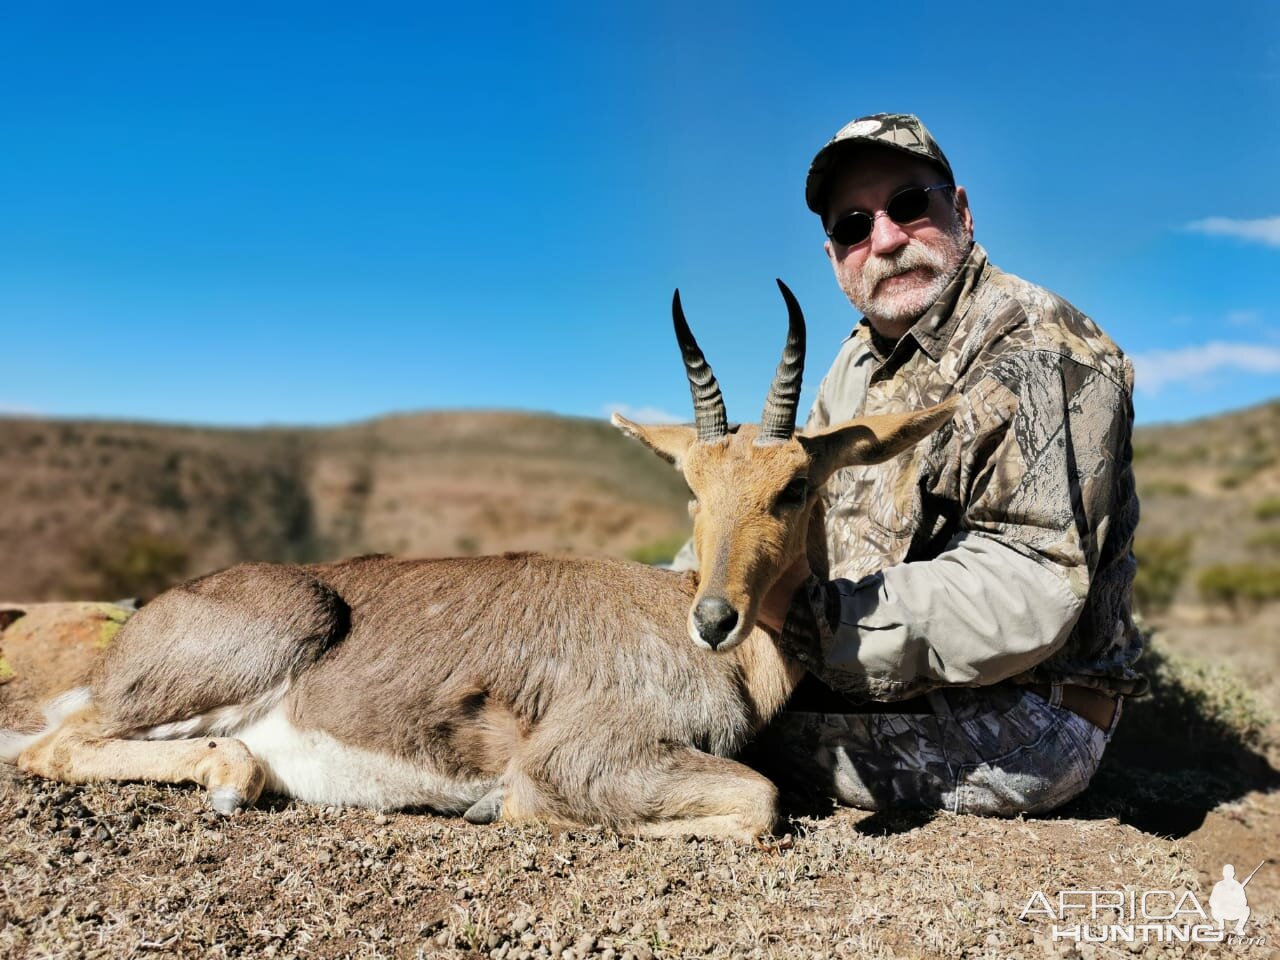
{"type": "Point", "coordinates": [1038, 441]}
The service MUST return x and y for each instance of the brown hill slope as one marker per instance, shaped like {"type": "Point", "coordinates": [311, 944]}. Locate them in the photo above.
{"type": "Point", "coordinates": [104, 509]}
{"type": "Point", "coordinates": [1210, 492]}
{"type": "Point", "coordinates": [100, 509]}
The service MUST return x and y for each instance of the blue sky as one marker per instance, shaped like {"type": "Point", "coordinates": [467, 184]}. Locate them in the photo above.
{"type": "Point", "coordinates": [307, 213]}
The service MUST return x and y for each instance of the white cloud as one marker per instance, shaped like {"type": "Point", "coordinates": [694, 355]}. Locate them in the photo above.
{"type": "Point", "coordinates": [1244, 318]}
{"type": "Point", "coordinates": [1189, 365]}
{"type": "Point", "coordinates": [1264, 230]}
{"type": "Point", "coordinates": [642, 414]}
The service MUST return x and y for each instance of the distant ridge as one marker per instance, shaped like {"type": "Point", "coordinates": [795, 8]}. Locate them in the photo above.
{"type": "Point", "coordinates": [89, 508]}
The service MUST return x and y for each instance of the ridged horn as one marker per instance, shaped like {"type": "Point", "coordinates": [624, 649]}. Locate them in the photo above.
{"type": "Point", "coordinates": [708, 402]}
{"type": "Point", "coordinates": [779, 419]}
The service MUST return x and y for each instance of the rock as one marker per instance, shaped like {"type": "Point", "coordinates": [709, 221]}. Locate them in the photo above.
{"type": "Point", "coordinates": [50, 647]}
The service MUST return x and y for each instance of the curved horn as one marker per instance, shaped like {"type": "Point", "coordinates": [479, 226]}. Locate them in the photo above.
{"type": "Point", "coordinates": [779, 419]}
{"type": "Point", "coordinates": [708, 402]}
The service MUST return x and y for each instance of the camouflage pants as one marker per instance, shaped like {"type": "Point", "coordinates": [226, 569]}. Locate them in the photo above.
{"type": "Point", "coordinates": [992, 751]}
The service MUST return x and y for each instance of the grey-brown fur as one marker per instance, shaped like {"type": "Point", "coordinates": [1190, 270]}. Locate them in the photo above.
{"type": "Point", "coordinates": [222, 639]}
{"type": "Point", "coordinates": [615, 717]}
{"type": "Point", "coordinates": [575, 691]}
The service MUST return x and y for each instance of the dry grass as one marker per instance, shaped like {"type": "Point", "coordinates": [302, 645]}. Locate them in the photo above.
{"type": "Point", "coordinates": [123, 870]}
{"type": "Point", "coordinates": [128, 870]}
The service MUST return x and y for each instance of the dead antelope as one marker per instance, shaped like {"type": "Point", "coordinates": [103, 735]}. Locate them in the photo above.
{"type": "Point", "coordinates": [524, 686]}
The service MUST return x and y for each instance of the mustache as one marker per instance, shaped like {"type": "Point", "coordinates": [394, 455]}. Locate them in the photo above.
{"type": "Point", "coordinates": [913, 257]}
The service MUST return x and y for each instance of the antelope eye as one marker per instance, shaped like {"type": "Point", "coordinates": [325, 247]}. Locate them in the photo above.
{"type": "Point", "coordinates": [795, 493]}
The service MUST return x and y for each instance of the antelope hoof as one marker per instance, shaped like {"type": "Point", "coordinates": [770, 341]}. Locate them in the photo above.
{"type": "Point", "coordinates": [227, 800]}
{"type": "Point", "coordinates": [487, 809]}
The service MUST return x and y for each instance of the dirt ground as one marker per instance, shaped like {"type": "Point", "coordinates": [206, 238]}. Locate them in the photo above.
{"type": "Point", "coordinates": [121, 870]}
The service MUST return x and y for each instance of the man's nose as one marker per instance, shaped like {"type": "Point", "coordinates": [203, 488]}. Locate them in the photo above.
{"type": "Point", "coordinates": [886, 236]}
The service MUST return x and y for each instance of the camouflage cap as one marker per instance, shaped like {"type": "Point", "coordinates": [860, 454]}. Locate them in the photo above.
{"type": "Point", "coordinates": [898, 131]}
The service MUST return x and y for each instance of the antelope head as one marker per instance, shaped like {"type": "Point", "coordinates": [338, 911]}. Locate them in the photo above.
{"type": "Point", "coordinates": [754, 487]}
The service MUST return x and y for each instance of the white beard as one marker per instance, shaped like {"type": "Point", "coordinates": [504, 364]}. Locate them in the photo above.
{"type": "Point", "coordinates": [905, 306]}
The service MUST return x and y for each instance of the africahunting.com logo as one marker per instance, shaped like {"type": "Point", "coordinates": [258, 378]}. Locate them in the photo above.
{"type": "Point", "coordinates": [1150, 916]}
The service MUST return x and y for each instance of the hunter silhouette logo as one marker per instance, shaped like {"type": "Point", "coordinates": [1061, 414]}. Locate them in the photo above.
{"type": "Point", "coordinates": [1228, 900]}
{"type": "Point", "coordinates": [1136, 917]}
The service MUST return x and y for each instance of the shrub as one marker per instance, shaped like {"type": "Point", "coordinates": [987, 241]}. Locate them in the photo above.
{"type": "Point", "coordinates": [1162, 563]}
{"type": "Point", "coordinates": [140, 567]}
{"type": "Point", "coordinates": [660, 551]}
{"type": "Point", "coordinates": [1245, 466]}
{"type": "Point", "coordinates": [1240, 586]}
{"type": "Point", "coordinates": [1172, 488]}
{"type": "Point", "coordinates": [1145, 451]}
{"type": "Point", "coordinates": [1268, 540]}
{"type": "Point", "coordinates": [1215, 694]}
{"type": "Point", "coordinates": [1267, 509]}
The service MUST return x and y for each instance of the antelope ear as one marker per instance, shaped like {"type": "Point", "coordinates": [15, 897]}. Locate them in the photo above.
{"type": "Point", "coordinates": [871, 439]}
{"type": "Point", "coordinates": [669, 441]}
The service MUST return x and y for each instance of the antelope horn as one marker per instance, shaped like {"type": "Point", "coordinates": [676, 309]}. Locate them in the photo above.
{"type": "Point", "coordinates": [779, 419]}
{"type": "Point", "coordinates": [708, 402]}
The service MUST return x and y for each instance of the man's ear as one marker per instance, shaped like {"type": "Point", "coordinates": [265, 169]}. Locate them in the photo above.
{"type": "Point", "coordinates": [964, 211]}
{"type": "Point", "coordinates": [669, 441]}
{"type": "Point", "coordinates": [871, 439]}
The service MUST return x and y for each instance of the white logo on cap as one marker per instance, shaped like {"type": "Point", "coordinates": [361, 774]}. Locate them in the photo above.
{"type": "Point", "coordinates": [861, 128]}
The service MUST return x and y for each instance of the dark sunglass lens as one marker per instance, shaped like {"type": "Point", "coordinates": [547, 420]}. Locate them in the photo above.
{"type": "Point", "coordinates": [908, 206]}
{"type": "Point", "coordinates": [851, 229]}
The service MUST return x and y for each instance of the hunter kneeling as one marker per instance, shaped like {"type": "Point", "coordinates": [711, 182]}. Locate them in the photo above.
{"type": "Point", "coordinates": [974, 621]}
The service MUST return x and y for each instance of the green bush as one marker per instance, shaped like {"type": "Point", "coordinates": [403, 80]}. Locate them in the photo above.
{"type": "Point", "coordinates": [1172, 488]}
{"type": "Point", "coordinates": [140, 567]}
{"type": "Point", "coordinates": [1245, 466]}
{"type": "Point", "coordinates": [1240, 586]}
{"type": "Point", "coordinates": [1267, 509]}
{"type": "Point", "coordinates": [1162, 563]}
{"type": "Point", "coordinates": [1214, 692]}
{"type": "Point", "coordinates": [1145, 451]}
{"type": "Point", "coordinates": [1267, 540]}
{"type": "Point", "coordinates": [660, 551]}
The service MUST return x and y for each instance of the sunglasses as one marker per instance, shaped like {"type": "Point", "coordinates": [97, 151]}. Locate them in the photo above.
{"type": "Point", "coordinates": [905, 206]}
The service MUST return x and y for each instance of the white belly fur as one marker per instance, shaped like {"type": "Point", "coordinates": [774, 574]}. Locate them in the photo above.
{"type": "Point", "coordinates": [314, 767]}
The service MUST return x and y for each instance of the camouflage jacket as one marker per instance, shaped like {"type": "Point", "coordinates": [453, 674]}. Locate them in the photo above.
{"type": "Point", "coordinates": [1000, 548]}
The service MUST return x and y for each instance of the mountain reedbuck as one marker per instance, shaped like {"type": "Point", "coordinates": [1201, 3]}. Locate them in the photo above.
{"type": "Point", "coordinates": [524, 686]}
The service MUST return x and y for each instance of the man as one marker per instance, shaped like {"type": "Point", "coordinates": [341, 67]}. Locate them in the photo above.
{"type": "Point", "coordinates": [979, 586]}
{"type": "Point", "coordinates": [1227, 900]}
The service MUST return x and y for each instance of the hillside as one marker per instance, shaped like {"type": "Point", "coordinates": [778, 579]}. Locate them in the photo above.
{"type": "Point", "coordinates": [1216, 481]}
{"type": "Point", "coordinates": [107, 509]}
{"type": "Point", "coordinates": [101, 509]}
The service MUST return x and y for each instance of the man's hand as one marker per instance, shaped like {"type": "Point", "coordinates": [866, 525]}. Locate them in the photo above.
{"type": "Point", "coordinates": [773, 609]}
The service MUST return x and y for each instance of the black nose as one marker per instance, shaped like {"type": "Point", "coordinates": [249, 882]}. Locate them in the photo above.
{"type": "Point", "coordinates": [715, 620]}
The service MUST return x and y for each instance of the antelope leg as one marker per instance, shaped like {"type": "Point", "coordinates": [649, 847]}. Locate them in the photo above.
{"type": "Point", "coordinates": [76, 753]}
